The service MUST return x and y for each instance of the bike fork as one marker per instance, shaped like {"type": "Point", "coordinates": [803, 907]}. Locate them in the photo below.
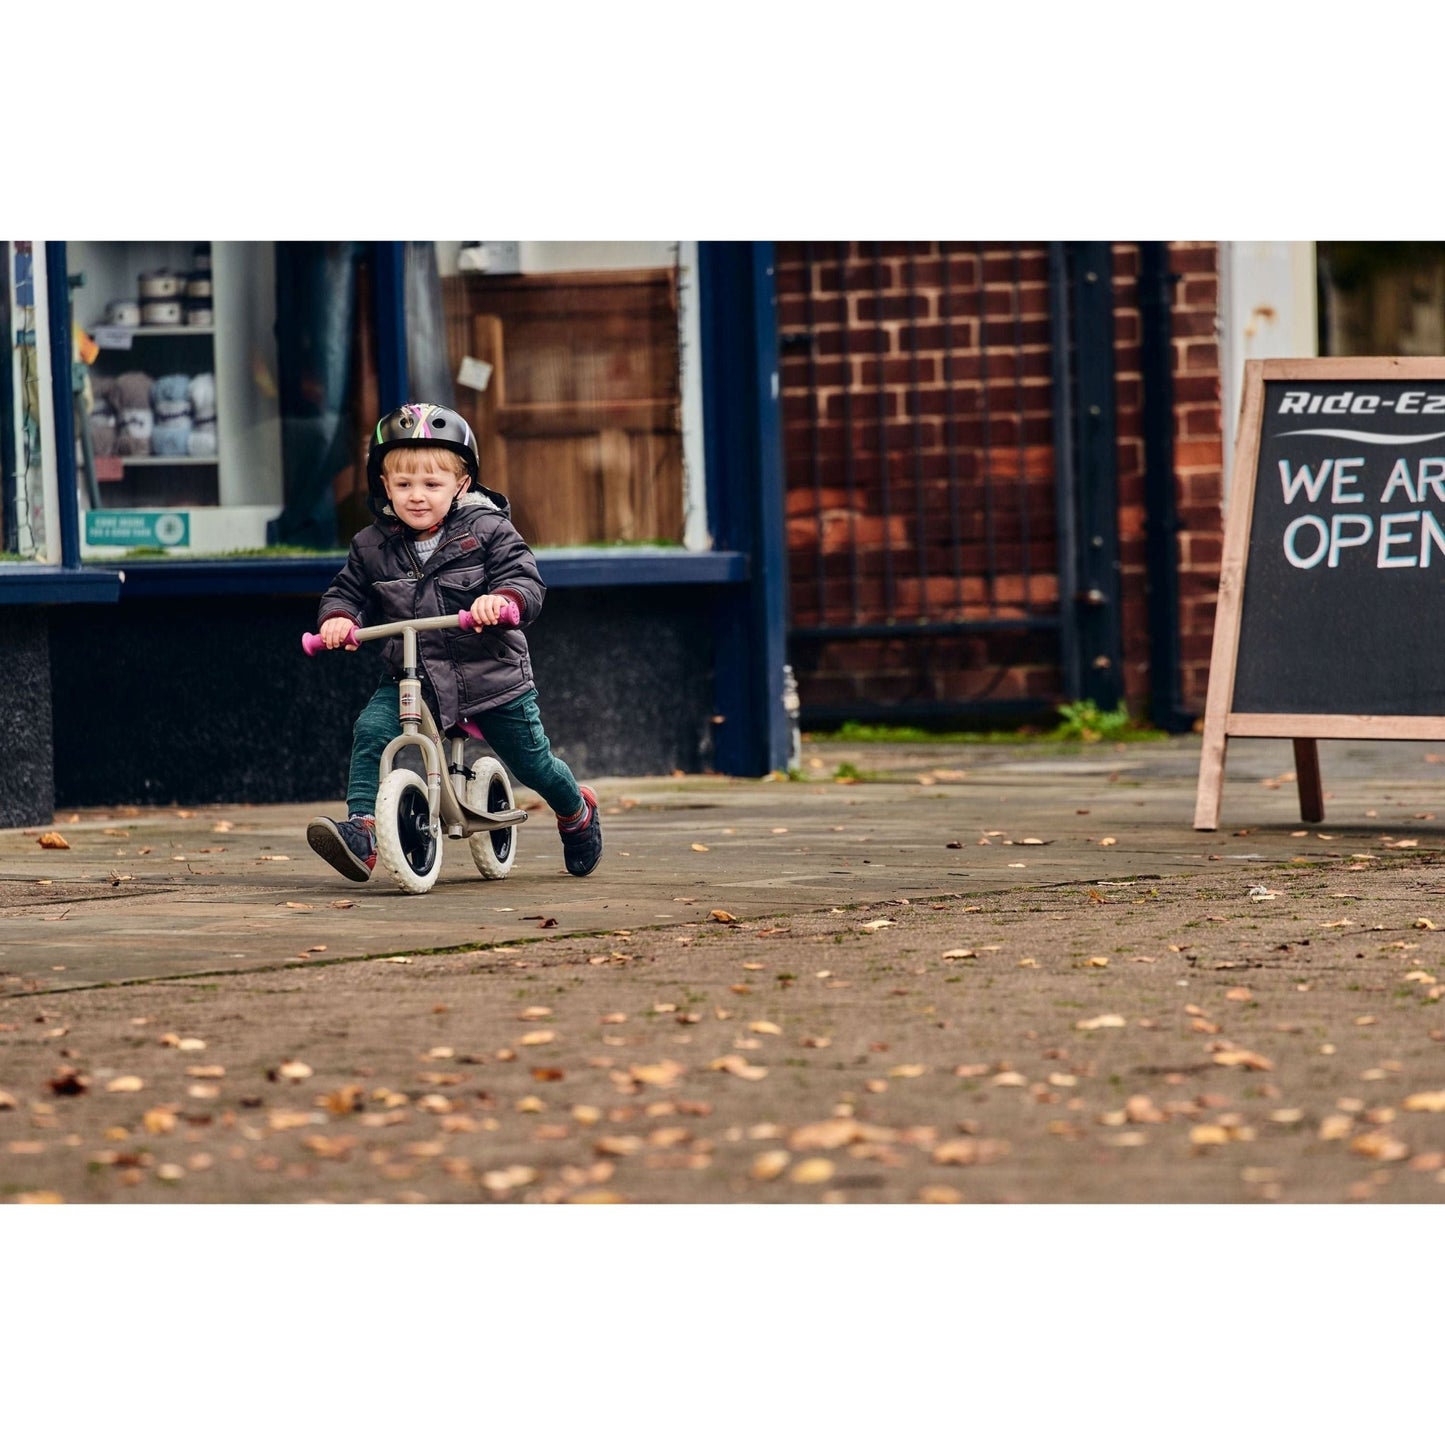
{"type": "Point", "coordinates": [411, 731]}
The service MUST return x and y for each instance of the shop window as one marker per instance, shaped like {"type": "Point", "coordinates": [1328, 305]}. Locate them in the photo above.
{"type": "Point", "coordinates": [1381, 298]}
{"type": "Point", "coordinates": [568, 360]}
{"type": "Point", "coordinates": [230, 389]}
{"type": "Point", "coordinates": [22, 395]}
{"type": "Point", "coordinates": [179, 427]}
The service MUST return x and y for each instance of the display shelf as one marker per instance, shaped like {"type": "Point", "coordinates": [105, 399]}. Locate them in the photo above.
{"type": "Point", "coordinates": [105, 335]}
{"type": "Point", "coordinates": [169, 461]}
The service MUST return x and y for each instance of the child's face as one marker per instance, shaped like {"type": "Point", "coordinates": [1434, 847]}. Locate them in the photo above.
{"type": "Point", "coordinates": [423, 497]}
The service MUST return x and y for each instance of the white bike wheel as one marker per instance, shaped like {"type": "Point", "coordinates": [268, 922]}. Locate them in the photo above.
{"type": "Point", "coordinates": [406, 844]}
{"type": "Point", "coordinates": [489, 790]}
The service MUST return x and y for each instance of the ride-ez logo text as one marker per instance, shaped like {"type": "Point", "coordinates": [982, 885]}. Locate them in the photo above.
{"type": "Point", "coordinates": [1361, 403]}
{"type": "Point", "coordinates": [1405, 538]}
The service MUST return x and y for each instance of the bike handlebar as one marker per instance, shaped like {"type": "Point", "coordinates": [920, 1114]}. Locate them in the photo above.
{"type": "Point", "coordinates": [311, 642]}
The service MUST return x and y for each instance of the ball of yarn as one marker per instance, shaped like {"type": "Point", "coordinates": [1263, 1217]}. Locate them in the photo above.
{"type": "Point", "coordinates": [171, 437]}
{"type": "Point", "coordinates": [203, 396]}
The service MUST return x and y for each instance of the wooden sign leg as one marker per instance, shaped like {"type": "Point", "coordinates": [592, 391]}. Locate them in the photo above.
{"type": "Point", "coordinates": [1211, 778]}
{"type": "Point", "coordinates": [1307, 771]}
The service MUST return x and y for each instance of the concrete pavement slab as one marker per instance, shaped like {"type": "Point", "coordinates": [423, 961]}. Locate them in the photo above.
{"type": "Point", "coordinates": [155, 893]}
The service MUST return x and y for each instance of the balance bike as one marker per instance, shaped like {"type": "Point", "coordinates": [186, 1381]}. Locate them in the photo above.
{"type": "Point", "coordinates": [414, 813]}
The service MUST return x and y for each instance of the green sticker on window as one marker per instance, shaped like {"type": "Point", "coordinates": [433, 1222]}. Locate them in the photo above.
{"type": "Point", "coordinates": [137, 529]}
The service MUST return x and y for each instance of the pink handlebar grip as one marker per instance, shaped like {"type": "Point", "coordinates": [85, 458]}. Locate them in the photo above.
{"type": "Point", "coordinates": [510, 617]}
{"type": "Point", "coordinates": [311, 642]}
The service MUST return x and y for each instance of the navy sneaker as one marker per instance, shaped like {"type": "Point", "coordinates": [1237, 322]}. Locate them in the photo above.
{"type": "Point", "coordinates": [582, 843]}
{"type": "Point", "coordinates": [349, 847]}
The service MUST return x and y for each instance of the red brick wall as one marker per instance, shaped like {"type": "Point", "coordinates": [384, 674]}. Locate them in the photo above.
{"type": "Point", "coordinates": [902, 511]}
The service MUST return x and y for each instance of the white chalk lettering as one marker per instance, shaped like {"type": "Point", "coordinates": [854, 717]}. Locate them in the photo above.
{"type": "Point", "coordinates": [1292, 531]}
{"type": "Point", "coordinates": [1431, 474]}
{"type": "Point", "coordinates": [1399, 477]}
{"type": "Point", "coordinates": [1408, 403]}
{"type": "Point", "coordinates": [1338, 403]}
{"type": "Point", "coordinates": [1365, 405]}
{"type": "Point", "coordinates": [1430, 531]}
{"type": "Point", "coordinates": [1294, 401]}
{"type": "Point", "coordinates": [1389, 537]}
{"type": "Point", "coordinates": [1346, 479]}
{"type": "Point", "coordinates": [1303, 480]}
{"type": "Point", "coordinates": [1339, 539]}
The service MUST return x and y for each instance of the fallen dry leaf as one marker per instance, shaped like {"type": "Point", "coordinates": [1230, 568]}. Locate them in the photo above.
{"type": "Point", "coordinates": [721, 915]}
{"type": "Point", "coordinates": [770, 1165]}
{"type": "Point", "coordinates": [1431, 1103]}
{"type": "Point", "coordinates": [960, 953]}
{"type": "Point", "coordinates": [617, 1146]}
{"type": "Point", "coordinates": [281, 1119]}
{"type": "Point", "coordinates": [739, 1067]}
{"type": "Point", "coordinates": [52, 840]}
{"type": "Point", "coordinates": [125, 1084]}
{"type": "Point", "coordinates": [69, 1081]}
{"type": "Point", "coordinates": [956, 1151]}
{"type": "Point", "coordinates": [812, 1171]}
{"type": "Point", "coordinates": [1241, 1059]}
{"type": "Point", "coordinates": [1382, 1146]}
{"type": "Point", "coordinates": [825, 1134]}
{"type": "Point", "coordinates": [663, 1074]}
{"type": "Point", "coordinates": [699, 847]}
{"type": "Point", "coordinates": [873, 925]}
{"type": "Point", "coordinates": [294, 1070]}
{"type": "Point", "coordinates": [537, 1036]}
{"type": "Point", "coordinates": [763, 1026]}
{"type": "Point", "coordinates": [513, 1177]}
{"type": "Point", "coordinates": [1104, 1021]}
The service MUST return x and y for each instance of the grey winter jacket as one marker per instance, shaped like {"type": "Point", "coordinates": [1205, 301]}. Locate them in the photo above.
{"type": "Point", "coordinates": [480, 551]}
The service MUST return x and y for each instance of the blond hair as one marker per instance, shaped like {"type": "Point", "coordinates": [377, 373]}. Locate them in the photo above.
{"type": "Point", "coordinates": [408, 460]}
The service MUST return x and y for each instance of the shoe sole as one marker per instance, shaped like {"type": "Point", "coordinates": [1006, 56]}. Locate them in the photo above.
{"type": "Point", "coordinates": [326, 841]}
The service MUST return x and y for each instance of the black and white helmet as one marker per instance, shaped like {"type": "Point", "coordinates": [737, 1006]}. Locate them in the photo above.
{"type": "Point", "coordinates": [419, 424]}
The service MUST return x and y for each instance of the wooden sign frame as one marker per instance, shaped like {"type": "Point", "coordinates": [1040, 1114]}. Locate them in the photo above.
{"type": "Point", "coordinates": [1220, 721]}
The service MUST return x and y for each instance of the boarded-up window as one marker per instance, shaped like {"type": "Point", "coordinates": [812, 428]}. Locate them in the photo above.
{"type": "Point", "coordinates": [579, 420]}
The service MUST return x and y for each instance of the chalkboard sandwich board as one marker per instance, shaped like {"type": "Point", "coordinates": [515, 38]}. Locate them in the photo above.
{"type": "Point", "coordinates": [1333, 576]}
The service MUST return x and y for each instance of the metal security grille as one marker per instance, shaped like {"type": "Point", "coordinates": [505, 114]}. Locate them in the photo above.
{"type": "Point", "coordinates": [923, 496]}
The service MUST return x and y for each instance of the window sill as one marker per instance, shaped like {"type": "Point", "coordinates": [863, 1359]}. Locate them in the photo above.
{"type": "Point", "coordinates": [561, 567]}
{"type": "Point", "coordinates": [37, 583]}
